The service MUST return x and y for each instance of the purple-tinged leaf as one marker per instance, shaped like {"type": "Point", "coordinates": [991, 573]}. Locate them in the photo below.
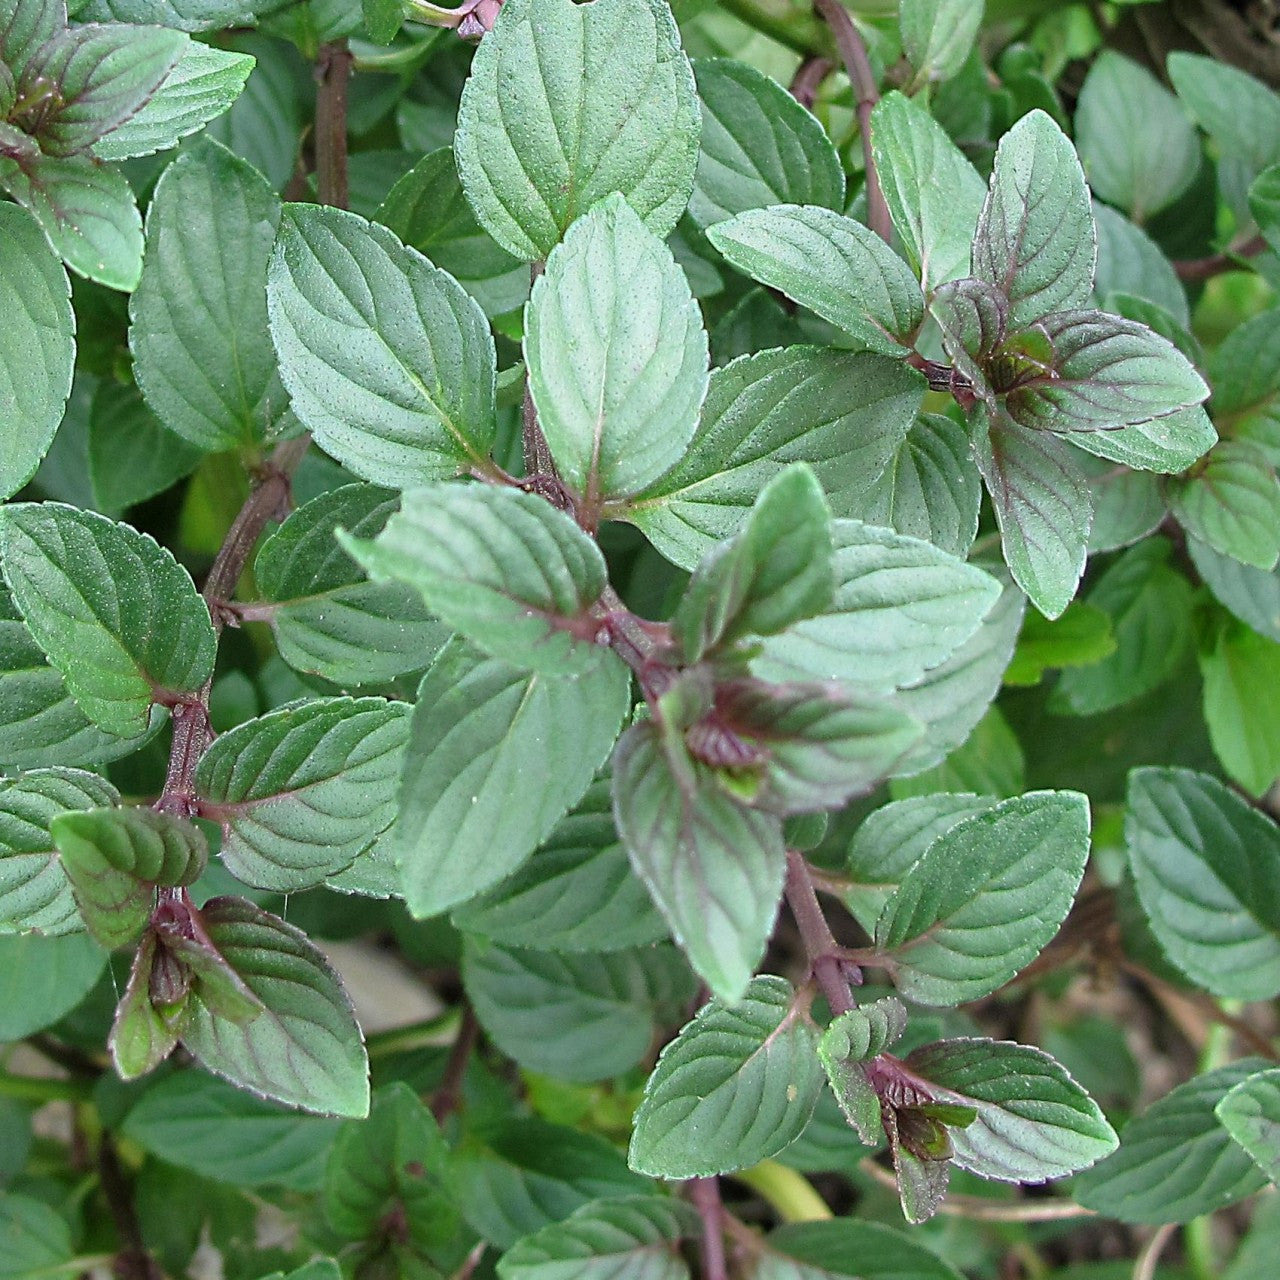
{"type": "Point", "coordinates": [973, 317]}
{"type": "Point", "coordinates": [25, 25]}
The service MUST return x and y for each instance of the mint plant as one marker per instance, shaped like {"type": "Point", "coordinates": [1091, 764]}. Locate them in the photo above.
{"type": "Point", "coordinates": [728, 554]}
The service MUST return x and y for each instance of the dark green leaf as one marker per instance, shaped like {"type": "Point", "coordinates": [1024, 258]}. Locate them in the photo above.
{"type": "Point", "coordinates": [1207, 867]}
{"type": "Point", "coordinates": [387, 359]}
{"type": "Point", "coordinates": [1166, 445]}
{"type": "Point", "coordinates": [1250, 1112]}
{"type": "Point", "coordinates": [737, 1084]}
{"type": "Point", "coordinates": [846, 1247]}
{"type": "Point", "coordinates": [25, 25]}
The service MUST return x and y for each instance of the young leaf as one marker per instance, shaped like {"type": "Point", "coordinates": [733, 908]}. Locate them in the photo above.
{"type": "Point", "coordinates": [34, 891]}
{"type": "Point", "coordinates": [576, 1017]}
{"type": "Point", "coordinates": [714, 867]}
{"type": "Point", "coordinates": [846, 414]}
{"type": "Point", "coordinates": [632, 1236]}
{"type": "Point", "coordinates": [1042, 506]}
{"type": "Point", "coordinates": [141, 1036]}
{"type": "Point", "coordinates": [305, 1047]}
{"type": "Point", "coordinates": [1233, 504]}
{"type": "Point", "coordinates": [328, 619]}
{"type": "Point", "coordinates": [1207, 867]}
{"type": "Point", "coordinates": [973, 318]}
{"type": "Point", "coordinates": [732, 1089]}
{"type": "Point", "coordinates": [1034, 1121]}
{"type": "Point", "coordinates": [501, 566]}
{"type": "Point", "coordinates": [901, 607]}
{"type": "Point", "coordinates": [1139, 150]}
{"type": "Point", "coordinates": [496, 756]}
{"type": "Point", "coordinates": [202, 84]}
{"type": "Point", "coordinates": [201, 351]}
{"type": "Point", "coordinates": [92, 592]}
{"type": "Point", "coordinates": [37, 347]}
{"type": "Point", "coordinates": [617, 354]}
{"type": "Point", "coordinates": [428, 210]}
{"type": "Point", "coordinates": [848, 1249]}
{"type": "Point", "coordinates": [388, 361]}
{"type": "Point", "coordinates": [1106, 372]}
{"type": "Point", "coordinates": [937, 35]}
{"type": "Point", "coordinates": [115, 856]}
{"type": "Point", "coordinates": [87, 212]}
{"type": "Point", "coordinates": [302, 791]}
{"type": "Point", "coordinates": [576, 893]}
{"type": "Point", "coordinates": [1035, 238]}
{"type": "Point", "coordinates": [775, 572]}
{"type": "Point", "coordinates": [1250, 1113]}
{"type": "Point", "coordinates": [1240, 672]}
{"type": "Point", "coordinates": [830, 264]}
{"type": "Point", "coordinates": [393, 1162]}
{"type": "Point", "coordinates": [986, 897]}
{"type": "Point", "coordinates": [1176, 1161]}
{"type": "Point", "coordinates": [566, 104]}
{"type": "Point", "coordinates": [930, 490]}
{"type": "Point", "coordinates": [760, 147]}
{"type": "Point", "coordinates": [1149, 603]}
{"type": "Point", "coordinates": [197, 1122]}
{"type": "Point", "coordinates": [934, 194]}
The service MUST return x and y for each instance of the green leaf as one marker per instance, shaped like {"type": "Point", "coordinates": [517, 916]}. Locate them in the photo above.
{"type": "Point", "coordinates": [617, 354]}
{"type": "Point", "coordinates": [393, 1162]}
{"type": "Point", "coordinates": [938, 35]}
{"type": "Point", "coordinates": [1106, 372]}
{"type": "Point", "coordinates": [91, 591]}
{"type": "Point", "coordinates": [1139, 150]}
{"type": "Point", "coordinates": [732, 1089]}
{"type": "Point", "coordinates": [633, 1236]}
{"type": "Point", "coordinates": [845, 1247]}
{"type": "Point", "coordinates": [328, 619]}
{"type": "Point", "coordinates": [28, 24]}
{"type": "Point", "coordinates": [1034, 1121]}
{"type": "Point", "coordinates": [203, 83]}
{"type": "Point", "coordinates": [893, 839]}
{"type": "Point", "coordinates": [501, 566]}
{"type": "Point", "coordinates": [305, 1047]}
{"type": "Point", "coordinates": [1245, 373]}
{"type": "Point", "coordinates": [576, 893]}
{"type": "Point", "coordinates": [830, 264]}
{"type": "Point", "coordinates": [1264, 203]}
{"type": "Point", "coordinates": [34, 891]}
{"type": "Point", "coordinates": [1035, 239]}
{"type": "Point", "coordinates": [1167, 445]}
{"type": "Point", "coordinates": [199, 333]}
{"type": "Point", "coordinates": [388, 361]}
{"type": "Point", "coordinates": [87, 212]}
{"type": "Point", "coordinates": [1240, 672]}
{"type": "Point", "coordinates": [34, 1240]}
{"type": "Point", "coordinates": [1149, 603]}
{"type": "Point", "coordinates": [530, 1174]}
{"type": "Point", "coordinates": [1207, 867]}
{"type": "Point", "coordinates": [760, 147]}
{"type": "Point", "coordinates": [490, 769]}
{"type": "Point", "coordinates": [104, 73]}
{"type": "Point", "coordinates": [901, 607]}
{"type": "Point", "coordinates": [382, 19]}
{"type": "Point", "coordinates": [114, 857]}
{"type": "Point", "coordinates": [142, 1035]}
{"type": "Point", "coordinates": [1130, 262]}
{"type": "Point", "coordinates": [846, 414]}
{"type": "Point", "coordinates": [1253, 595]}
{"type": "Point", "coordinates": [37, 348]}
{"type": "Point", "coordinates": [43, 979]}
{"type": "Point", "coordinates": [1239, 113]}
{"type": "Point", "coordinates": [301, 792]}
{"type": "Point", "coordinates": [566, 104]}
{"type": "Point", "coordinates": [576, 1017]}
{"type": "Point", "coordinates": [1233, 504]}
{"type": "Point", "coordinates": [1250, 1113]}
{"type": "Point", "coordinates": [986, 897]}
{"type": "Point", "coordinates": [776, 571]}
{"type": "Point", "coordinates": [989, 760]}
{"type": "Point", "coordinates": [1042, 506]}
{"type": "Point", "coordinates": [132, 456]}
{"type": "Point", "coordinates": [199, 1123]}
{"type": "Point", "coordinates": [714, 867]}
{"type": "Point", "coordinates": [1081, 637]}
{"type": "Point", "coordinates": [428, 210]}
{"type": "Point", "coordinates": [1175, 1162]}
{"type": "Point", "coordinates": [934, 194]}
{"type": "Point", "coordinates": [930, 490]}
{"type": "Point", "coordinates": [1127, 505]}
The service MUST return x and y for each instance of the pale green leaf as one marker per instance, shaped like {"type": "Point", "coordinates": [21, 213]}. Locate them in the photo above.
{"type": "Point", "coordinates": [1241, 672]}
{"type": "Point", "coordinates": [1081, 637]}
{"type": "Point", "coordinates": [1239, 113]}
{"type": "Point", "coordinates": [1253, 595]}
{"type": "Point", "coordinates": [1233, 504]}
{"type": "Point", "coordinates": [43, 979]}
{"type": "Point", "coordinates": [35, 1241]}
{"type": "Point", "coordinates": [937, 35]}
{"type": "Point", "coordinates": [1130, 262]}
